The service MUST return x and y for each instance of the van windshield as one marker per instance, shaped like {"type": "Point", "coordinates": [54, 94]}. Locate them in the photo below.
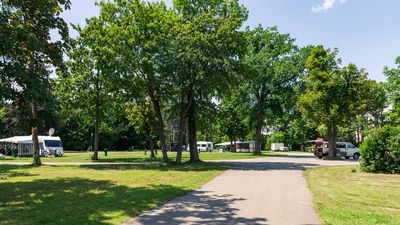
{"type": "Point", "coordinates": [53, 143]}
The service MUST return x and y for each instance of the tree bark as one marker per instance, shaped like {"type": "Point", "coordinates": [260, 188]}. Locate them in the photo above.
{"type": "Point", "coordinates": [332, 132]}
{"type": "Point", "coordinates": [194, 154]}
{"type": "Point", "coordinates": [35, 139]}
{"type": "Point", "coordinates": [182, 116]}
{"type": "Point", "coordinates": [231, 147]}
{"type": "Point", "coordinates": [257, 137]}
{"type": "Point", "coordinates": [180, 138]}
{"type": "Point", "coordinates": [160, 125]}
{"type": "Point", "coordinates": [96, 124]}
{"type": "Point", "coordinates": [151, 146]}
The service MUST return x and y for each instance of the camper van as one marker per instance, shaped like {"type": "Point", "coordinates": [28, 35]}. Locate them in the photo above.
{"type": "Point", "coordinates": [343, 149]}
{"type": "Point", "coordinates": [50, 146]}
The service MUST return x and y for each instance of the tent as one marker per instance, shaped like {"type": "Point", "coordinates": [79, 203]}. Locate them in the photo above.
{"type": "Point", "coordinates": [23, 145]}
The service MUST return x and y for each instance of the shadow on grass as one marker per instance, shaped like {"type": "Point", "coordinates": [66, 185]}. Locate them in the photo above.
{"type": "Point", "coordinates": [201, 166]}
{"type": "Point", "coordinates": [270, 166]}
{"type": "Point", "coordinates": [198, 207]}
{"type": "Point", "coordinates": [77, 201]}
{"type": "Point", "coordinates": [130, 159]}
{"type": "Point", "coordinates": [9, 171]}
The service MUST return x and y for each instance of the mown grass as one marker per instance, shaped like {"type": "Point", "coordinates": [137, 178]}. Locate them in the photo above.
{"type": "Point", "coordinates": [344, 195]}
{"type": "Point", "coordinates": [93, 194]}
{"type": "Point", "coordinates": [139, 156]}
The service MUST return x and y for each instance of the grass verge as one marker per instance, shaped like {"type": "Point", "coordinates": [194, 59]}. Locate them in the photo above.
{"type": "Point", "coordinates": [344, 195]}
{"type": "Point", "coordinates": [93, 194]}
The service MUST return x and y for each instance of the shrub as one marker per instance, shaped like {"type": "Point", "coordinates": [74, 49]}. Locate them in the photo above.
{"type": "Point", "coordinates": [381, 151]}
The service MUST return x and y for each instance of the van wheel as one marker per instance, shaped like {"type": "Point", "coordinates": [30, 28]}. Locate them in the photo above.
{"type": "Point", "coordinates": [45, 153]}
{"type": "Point", "coordinates": [356, 156]}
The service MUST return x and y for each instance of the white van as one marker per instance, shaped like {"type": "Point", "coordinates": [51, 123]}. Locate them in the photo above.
{"type": "Point", "coordinates": [205, 146]}
{"type": "Point", "coordinates": [343, 149]}
{"type": "Point", "coordinates": [49, 145]}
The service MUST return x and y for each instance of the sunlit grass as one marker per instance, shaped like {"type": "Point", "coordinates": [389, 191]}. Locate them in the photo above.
{"type": "Point", "coordinates": [94, 194]}
{"type": "Point", "coordinates": [344, 195]}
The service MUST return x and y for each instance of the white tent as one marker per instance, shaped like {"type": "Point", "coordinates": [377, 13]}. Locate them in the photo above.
{"type": "Point", "coordinates": [17, 139]}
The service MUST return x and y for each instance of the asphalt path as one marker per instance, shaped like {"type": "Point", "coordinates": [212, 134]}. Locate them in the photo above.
{"type": "Point", "coordinates": [270, 190]}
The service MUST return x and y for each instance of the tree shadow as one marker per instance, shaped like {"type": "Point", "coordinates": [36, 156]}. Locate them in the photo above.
{"type": "Point", "coordinates": [198, 207]}
{"type": "Point", "coordinates": [270, 166]}
{"type": "Point", "coordinates": [299, 156]}
{"type": "Point", "coordinates": [130, 159]}
{"type": "Point", "coordinates": [10, 171]}
{"type": "Point", "coordinates": [77, 201]}
{"type": "Point", "coordinates": [200, 166]}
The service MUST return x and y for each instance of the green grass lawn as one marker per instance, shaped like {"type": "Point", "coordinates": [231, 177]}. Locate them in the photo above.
{"type": "Point", "coordinates": [95, 194]}
{"type": "Point", "coordinates": [344, 195]}
{"type": "Point", "coordinates": [138, 156]}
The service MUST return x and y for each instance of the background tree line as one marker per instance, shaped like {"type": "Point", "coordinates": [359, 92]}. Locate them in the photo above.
{"type": "Point", "coordinates": [142, 74]}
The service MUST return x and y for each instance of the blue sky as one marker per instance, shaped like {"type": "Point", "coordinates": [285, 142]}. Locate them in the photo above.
{"type": "Point", "coordinates": [366, 32]}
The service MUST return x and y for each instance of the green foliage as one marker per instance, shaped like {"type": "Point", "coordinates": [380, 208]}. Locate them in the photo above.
{"type": "Point", "coordinates": [278, 137]}
{"type": "Point", "coordinates": [232, 121]}
{"type": "Point", "coordinates": [381, 151]}
{"type": "Point", "coordinates": [393, 88]}
{"type": "Point", "coordinates": [27, 51]}
{"type": "Point", "coordinates": [337, 94]}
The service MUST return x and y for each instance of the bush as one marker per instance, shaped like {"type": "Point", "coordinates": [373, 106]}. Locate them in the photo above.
{"type": "Point", "coordinates": [381, 151]}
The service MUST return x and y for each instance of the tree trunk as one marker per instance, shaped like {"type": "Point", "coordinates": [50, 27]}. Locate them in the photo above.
{"type": "Point", "coordinates": [180, 138]}
{"type": "Point", "coordinates": [160, 125]}
{"type": "Point", "coordinates": [332, 132]}
{"type": "Point", "coordinates": [35, 139]}
{"type": "Point", "coordinates": [96, 124]}
{"type": "Point", "coordinates": [194, 154]}
{"type": "Point", "coordinates": [182, 116]}
{"type": "Point", "coordinates": [257, 137]}
{"type": "Point", "coordinates": [151, 147]}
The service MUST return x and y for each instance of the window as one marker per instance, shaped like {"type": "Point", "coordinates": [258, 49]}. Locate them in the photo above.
{"type": "Point", "coordinates": [53, 143]}
{"type": "Point", "coordinates": [350, 145]}
{"type": "Point", "coordinates": [341, 145]}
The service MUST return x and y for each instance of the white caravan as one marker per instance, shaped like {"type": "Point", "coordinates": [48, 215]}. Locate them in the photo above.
{"type": "Point", "coordinates": [205, 146]}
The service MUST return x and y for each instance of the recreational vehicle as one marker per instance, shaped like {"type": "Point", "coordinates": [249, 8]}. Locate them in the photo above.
{"type": "Point", "coordinates": [48, 146]}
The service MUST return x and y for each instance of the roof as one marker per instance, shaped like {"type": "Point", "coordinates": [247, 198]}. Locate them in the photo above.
{"type": "Point", "coordinates": [27, 139]}
{"type": "Point", "coordinates": [204, 142]}
{"type": "Point", "coordinates": [237, 142]}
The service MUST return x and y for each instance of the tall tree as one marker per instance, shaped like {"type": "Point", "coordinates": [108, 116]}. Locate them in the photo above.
{"type": "Point", "coordinates": [273, 68]}
{"type": "Point", "coordinates": [92, 75]}
{"type": "Point", "coordinates": [333, 95]}
{"type": "Point", "coordinates": [27, 52]}
{"type": "Point", "coordinates": [207, 47]}
{"type": "Point", "coordinates": [143, 31]}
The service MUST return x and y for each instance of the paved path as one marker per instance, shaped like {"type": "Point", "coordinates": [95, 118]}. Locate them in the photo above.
{"type": "Point", "coordinates": [268, 190]}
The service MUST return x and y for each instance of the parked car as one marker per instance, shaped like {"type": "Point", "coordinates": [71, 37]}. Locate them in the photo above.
{"type": "Point", "coordinates": [343, 149]}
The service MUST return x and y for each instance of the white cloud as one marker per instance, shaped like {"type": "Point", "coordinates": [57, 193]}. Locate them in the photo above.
{"type": "Point", "coordinates": [328, 4]}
